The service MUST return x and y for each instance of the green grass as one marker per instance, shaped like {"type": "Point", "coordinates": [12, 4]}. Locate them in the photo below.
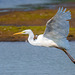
{"type": "Point", "coordinates": [72, 31]}
{"type": "Point", "coordinates": [6, 32]}
{"type": "Point", "coordinates": [14, 29]}
{"type": "Point", "coordinates": [35, 29]}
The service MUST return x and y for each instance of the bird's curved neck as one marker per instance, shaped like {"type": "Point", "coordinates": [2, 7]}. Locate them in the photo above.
{"type": "Point", "coordinates": [31, 38]}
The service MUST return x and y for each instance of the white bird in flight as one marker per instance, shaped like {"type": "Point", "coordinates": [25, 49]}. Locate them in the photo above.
{"type": "Point", "coordinates": [56, 32]}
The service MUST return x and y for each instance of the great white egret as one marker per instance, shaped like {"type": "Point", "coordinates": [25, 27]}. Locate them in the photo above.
{"type": "Point", "coordinates": [57, 29]}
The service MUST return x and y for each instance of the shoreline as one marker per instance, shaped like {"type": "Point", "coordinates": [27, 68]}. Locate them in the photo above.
{"type": "Point", "coordinates": [23, 18]}
{"type": "Point", "coordinates": [6, 33]}
{"type": "Point", "coordinates": [15, 21]}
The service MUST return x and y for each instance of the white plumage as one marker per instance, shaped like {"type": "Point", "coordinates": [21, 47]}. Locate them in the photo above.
{"type": "Point", "coordinates": [57, 29]}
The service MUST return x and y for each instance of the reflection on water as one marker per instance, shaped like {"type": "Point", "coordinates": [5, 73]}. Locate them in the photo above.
{"type": "Point", "coordinates": [20, 58]}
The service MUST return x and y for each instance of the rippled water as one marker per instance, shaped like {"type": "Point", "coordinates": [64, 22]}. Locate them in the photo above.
{"type": "Point", "coordinates": [21, 58]}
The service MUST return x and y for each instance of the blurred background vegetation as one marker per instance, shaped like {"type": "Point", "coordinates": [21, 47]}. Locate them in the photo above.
{"type": "Point", "coordinates": [18, 15]}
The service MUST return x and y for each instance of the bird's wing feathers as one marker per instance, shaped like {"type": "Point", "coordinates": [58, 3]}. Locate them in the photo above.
{"type": "Point", "coordinates": [58, 26]}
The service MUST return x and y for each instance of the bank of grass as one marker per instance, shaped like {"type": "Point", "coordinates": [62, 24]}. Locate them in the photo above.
{"type": "Point", "coordinates": [31, 18]}
{"type": "Point", "coordinates": [71, 35]}
{"type": "Point", "coordinates": [12, 22]}
{"type": "Point", "coordinates": [38, 17]}
{"type": "Point", "coordinates": [6, 32]}
{"type": "Point", "coordinates": [72, 32]}
{"type": "Point", "coordinates": [14, 29]}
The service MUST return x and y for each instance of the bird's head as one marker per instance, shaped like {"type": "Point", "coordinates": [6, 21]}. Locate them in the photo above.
{"type": "Point", "coordinates": [28, 31]}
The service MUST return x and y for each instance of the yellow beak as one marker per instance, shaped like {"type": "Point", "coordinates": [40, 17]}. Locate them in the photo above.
{"type": "Point", "coordinates": [17, 33]}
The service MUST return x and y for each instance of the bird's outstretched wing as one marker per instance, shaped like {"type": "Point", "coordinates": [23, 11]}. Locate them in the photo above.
{"type": "Point", "coordinates": [58, 26]}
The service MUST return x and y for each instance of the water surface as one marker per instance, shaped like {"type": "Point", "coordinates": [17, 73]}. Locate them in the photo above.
{"type": "Point", "coordinates": [14, 3]}
{"type": "Point", "coordinates": [21, 58]}
{"type": "Point", "coordinates": [28, 5]}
